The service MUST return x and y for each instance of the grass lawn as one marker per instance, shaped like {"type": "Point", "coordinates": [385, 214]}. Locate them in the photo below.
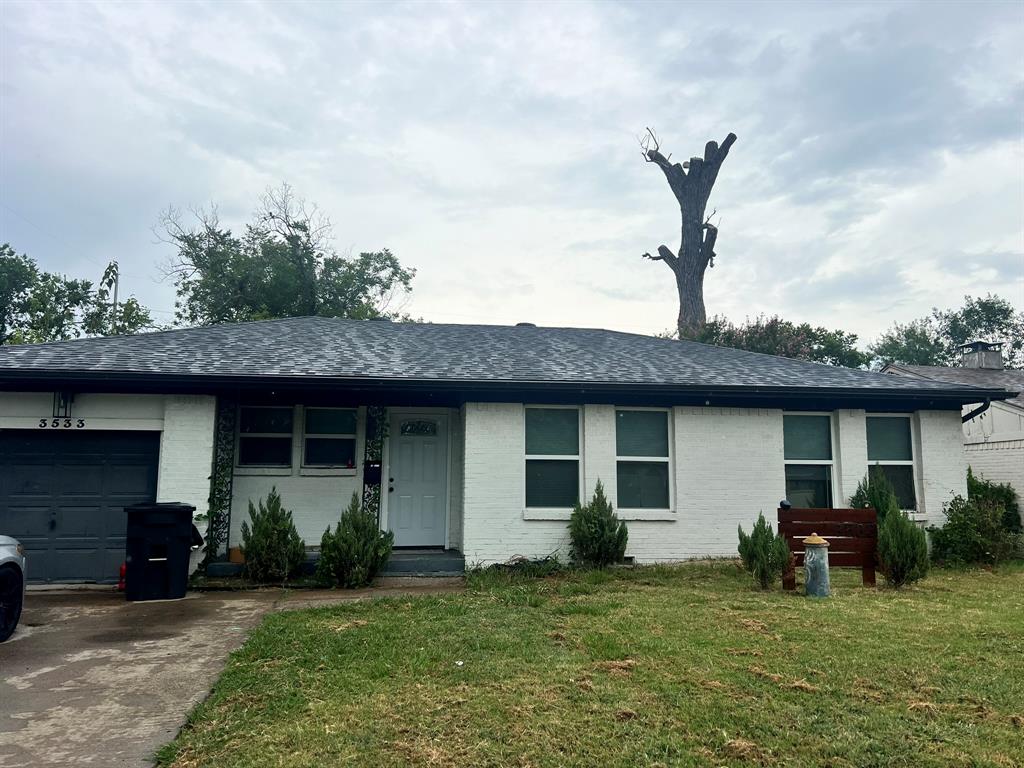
{"type": "Point", "coordinates": [653, 666]}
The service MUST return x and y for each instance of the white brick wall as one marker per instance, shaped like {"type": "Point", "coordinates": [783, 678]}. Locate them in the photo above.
{"type": "Point", "coordinates": [1002, 462]}
{"type": "Point", "coordinates": [315, 502]}
{"type": "Point", "coordinates": [728, 466]}
{"type": "Point", "coordinates": [852, 460]}
{"type": "Point", "coordinates": [186, 450]}
{"type": "Point", "coordinates": [942, 463]}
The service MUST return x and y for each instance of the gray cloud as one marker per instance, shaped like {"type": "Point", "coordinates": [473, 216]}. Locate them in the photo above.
{"type": "Point", "coordinates": [493, 146]}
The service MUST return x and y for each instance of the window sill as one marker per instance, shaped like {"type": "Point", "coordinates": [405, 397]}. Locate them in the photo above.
{"type": "Point", "coordinates": [327, 471]}
{"type": "Point", "coordinates": [666, 515]}
{"type": "Point", "coordinates": [264, 471]}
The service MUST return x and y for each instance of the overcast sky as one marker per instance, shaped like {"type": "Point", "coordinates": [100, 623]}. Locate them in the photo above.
{"type": "Point", "coordinates": [879, 169]}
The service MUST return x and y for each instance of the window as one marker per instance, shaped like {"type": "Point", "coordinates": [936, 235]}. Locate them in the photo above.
{"type": "Point", "coordinates": [891, 452]}
{"type": "Point", "coordinates": [642, 460]}
{"type": "Point", "coordinates": [552, 457]}
{"type": "Point", "coordinates": [807, 450]}
{"type": "Point", "coordinates": [265, 436]}
{"type": "Point", "coordinates": [329, 437]}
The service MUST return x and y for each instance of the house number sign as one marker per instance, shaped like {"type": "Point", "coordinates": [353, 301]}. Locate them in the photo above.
{"type": "Point", "coordinates": [61, 423]}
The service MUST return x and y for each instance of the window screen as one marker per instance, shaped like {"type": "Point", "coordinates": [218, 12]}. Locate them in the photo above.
{"type": "Point", "coordinates": [889, 439]}
{"type": "Point", "coordinates": [807, 437]}
{"type": "Point", "coordinates": [553, 437]}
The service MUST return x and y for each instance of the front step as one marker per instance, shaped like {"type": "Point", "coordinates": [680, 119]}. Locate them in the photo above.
{"type": "Point", "coordinates": [428, 562]}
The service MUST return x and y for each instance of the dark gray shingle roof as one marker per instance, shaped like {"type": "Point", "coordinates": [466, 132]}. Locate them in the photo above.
{"type": "Point", "coordinates": [354, 349]}
{"type": "Point", "coordinates": [987, 378]}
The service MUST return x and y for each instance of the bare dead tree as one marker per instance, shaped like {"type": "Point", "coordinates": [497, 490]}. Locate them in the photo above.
{"type": "Point", "coordinates": [691, 183]}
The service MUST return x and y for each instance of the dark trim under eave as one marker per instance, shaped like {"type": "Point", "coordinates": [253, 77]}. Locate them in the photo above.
{"type": "Point", "coordinates": [455, 393]}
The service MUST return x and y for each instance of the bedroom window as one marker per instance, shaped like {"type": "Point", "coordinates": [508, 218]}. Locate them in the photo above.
{"type": "Point", "coordinates": [891, 451]}
{"type": "Point", "coordinates": [552, 457]}
{"type": "Point", "coordinates": [265, 436]}
{"type": "Point", "coordinates": [642, 459]}
{"type": "Point", "coordinates": [807, 450]}
{"type": "Point", "coordinates": [329, 437]}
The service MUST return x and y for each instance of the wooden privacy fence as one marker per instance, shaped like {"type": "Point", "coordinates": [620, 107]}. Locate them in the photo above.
{"type": "Point", "coordinates": [852, 537]}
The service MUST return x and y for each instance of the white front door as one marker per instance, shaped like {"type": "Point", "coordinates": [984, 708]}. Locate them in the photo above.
{"type": "Point", "coordinates": [417, 484]}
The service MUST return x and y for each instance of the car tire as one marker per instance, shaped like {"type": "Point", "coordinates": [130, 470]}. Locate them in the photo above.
{"type": "Point", "coordinates": [12, 595]}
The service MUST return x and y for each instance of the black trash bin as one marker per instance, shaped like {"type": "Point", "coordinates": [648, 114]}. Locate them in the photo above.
{"type": "Point", "coordinates": [158, 546]}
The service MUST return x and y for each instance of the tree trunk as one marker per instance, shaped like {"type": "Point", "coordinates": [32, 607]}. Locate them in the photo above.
{"type": "Point", "coordinates": [691, 183]}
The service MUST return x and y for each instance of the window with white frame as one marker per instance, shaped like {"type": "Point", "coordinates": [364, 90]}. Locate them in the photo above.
{"type": "Point", "coordinates": [265, 436]}
{"type": "Point", "coordinates": [642, 459]}
{"type": "Point", "coordinates": [807, 450]}
{"type": "Point", "coordinates": [552, 457]}
{"type": "Point", "coordinates": [891, 452]}
{"type": "Point", "coordinates": [329, 437]}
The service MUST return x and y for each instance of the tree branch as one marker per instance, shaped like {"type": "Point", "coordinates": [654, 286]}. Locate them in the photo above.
{"type": "Point", "coordinates": [666, 255]}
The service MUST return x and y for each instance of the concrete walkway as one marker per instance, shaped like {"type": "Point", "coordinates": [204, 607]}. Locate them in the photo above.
{"type": "Point", "coordinates": [90, 679]}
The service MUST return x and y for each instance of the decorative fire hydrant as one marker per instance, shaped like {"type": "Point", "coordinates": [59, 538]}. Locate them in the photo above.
{"type": "Point", "coordinates": [816, 566]}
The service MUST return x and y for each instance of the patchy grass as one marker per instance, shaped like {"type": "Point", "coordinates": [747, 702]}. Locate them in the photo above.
{"type": "Point", "coordinates": [685, 666]}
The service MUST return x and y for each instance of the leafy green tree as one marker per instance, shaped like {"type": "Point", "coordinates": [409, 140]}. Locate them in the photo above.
{"type": "Point", "coordinates": [936, 338]}
{"type": "Point", "coordinates": [272, 547]}
{"type": "Point", "coordinates": [764, 553]}
{"type": "Point", "coordinates": [876, 492]}
{"type": "Point", "coordinates": [597, 536]}
{"type": "Point", "coordinates": [38, 306]}
{"type": "Point", "coordinates": [775, 336]}
{"type": "Point", "coordinates": [356, 550]}
{"type": "Point", "coordinates": [281, 265]}
{"type": "Point", "coordinates": [902, 549]}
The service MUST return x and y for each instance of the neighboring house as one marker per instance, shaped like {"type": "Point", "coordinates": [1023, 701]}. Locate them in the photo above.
{"type": "Point", "coordinates": [994, 436]}
{"type": "Point", "coordinates": [493, 434]}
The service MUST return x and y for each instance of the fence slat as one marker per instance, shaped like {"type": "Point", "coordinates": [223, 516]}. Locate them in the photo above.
{"type": "Point", "coordinates": [827, 515]}
{"type": "Point", "coordinates": [836, 544]}
{"type": "Point", "coordinates": [854, 530]}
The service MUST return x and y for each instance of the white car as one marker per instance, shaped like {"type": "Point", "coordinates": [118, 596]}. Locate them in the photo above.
{"type": "Point", "coordinates": [12, 585]}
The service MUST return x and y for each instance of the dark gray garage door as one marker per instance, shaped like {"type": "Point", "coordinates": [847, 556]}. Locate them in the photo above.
{"type": "Point", "coordinates": [63, 496]}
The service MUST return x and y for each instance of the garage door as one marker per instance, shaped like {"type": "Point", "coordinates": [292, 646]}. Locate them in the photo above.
{"type": "Point", "coordinates": [63, 496]}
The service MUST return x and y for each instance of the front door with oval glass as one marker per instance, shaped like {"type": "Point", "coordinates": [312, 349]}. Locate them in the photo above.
{"type": "Point", "coordinates": [417, 485]}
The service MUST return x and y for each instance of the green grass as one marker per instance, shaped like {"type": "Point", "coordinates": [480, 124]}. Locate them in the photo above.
{"type": "Point", "coordinates": [653, 666]}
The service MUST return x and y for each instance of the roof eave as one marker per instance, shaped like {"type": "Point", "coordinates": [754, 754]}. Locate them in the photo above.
{"type": "Point", "coordinates": [135, 381]}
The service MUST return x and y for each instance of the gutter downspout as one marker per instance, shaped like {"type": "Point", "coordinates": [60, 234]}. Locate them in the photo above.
{"type": "Point", "coordinates": [977, 411]}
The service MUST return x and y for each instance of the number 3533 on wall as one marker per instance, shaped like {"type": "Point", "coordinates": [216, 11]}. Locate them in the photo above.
{"type": "Point", "coordinates": [61, 423]}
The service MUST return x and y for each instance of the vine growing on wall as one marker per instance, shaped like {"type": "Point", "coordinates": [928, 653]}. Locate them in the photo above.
{"type": "Point", "coordinates": [221, 478]}
{"type": "Point", "coordinates": [376, 433]}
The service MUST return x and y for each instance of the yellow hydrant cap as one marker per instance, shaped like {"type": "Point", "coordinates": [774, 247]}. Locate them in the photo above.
{"type": "Point", "coordinates": [816, 540]}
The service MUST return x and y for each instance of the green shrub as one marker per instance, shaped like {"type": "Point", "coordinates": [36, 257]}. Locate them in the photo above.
{"type": "Point", "coordinates": [765, 555]}
{"type": "Point", "coordinates": [973, 533]}
{"type": "Point", "coordinates": [598, 536]}
{"type": "Point", "coordinates": [272, 548]}
{"type": "Point", "coordinates": [875, 491]}
{"type": "Point", "coordinates": [1000, 494]}
{"type": "Point", "coordinates": [356, 550]}
{"type": "Point", "coordinates": [902, 550]}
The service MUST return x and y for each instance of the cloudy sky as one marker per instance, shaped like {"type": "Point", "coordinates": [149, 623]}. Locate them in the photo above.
{"type": "Point", "coordinates": [879, 169]}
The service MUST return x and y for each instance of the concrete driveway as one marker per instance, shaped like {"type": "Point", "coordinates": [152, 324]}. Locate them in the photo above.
{"type": "Point", "coordinates": [90, 679]}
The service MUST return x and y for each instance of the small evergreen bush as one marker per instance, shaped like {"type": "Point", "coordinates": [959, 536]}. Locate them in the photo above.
{"type": "Point", "coordinates": [272, 548]}
{"type": "Point", "coordinates": [765, 555]}
{"type": "Point", "coordinates": [598, 536]}
{"type": "Point", "coordinates": [902, 550]}
{"type": "Point", "coordinates": [875, 491]}
{"type": "Point", "coordinates": [356, 550]}
{"type": "Point", "coordinates": [1000, 494]}
{"type": "Point", "coordinates": [973, 534]}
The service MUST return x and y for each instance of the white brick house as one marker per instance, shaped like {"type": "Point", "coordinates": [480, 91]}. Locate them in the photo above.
{"type": "Point", "coordinates": [493, 432]}
{"type": "Point", "coordinates": [993, 431]}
